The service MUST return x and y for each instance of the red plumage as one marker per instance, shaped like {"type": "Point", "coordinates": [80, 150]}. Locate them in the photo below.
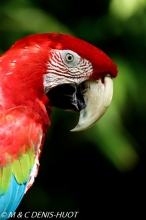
{"type": "Point", "coordinates": [23, 121]}
{"type": "Point", "coordinates": [25, 108]}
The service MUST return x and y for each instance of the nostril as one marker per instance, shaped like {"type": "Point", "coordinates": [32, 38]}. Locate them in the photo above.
{"type": "Point", "coordinates": [102, 79]}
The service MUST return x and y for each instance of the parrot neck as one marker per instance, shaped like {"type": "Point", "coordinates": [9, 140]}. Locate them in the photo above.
{"type": "Point", "coordinates": [21, 84]}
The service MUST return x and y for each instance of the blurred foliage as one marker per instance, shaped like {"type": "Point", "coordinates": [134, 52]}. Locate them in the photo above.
{"type": "Point", "coordinates": [114, 149]}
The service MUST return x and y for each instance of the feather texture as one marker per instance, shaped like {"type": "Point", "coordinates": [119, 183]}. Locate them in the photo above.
{"type": "Point", "coordinates": [19, 153]}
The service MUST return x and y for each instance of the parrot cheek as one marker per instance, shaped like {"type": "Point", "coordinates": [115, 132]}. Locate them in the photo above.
{"type": "Point", "coordinates": [97, 97]}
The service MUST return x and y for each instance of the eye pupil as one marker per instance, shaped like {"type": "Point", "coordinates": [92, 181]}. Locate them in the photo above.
{"type": "Point", "coordinates": [69, 57]}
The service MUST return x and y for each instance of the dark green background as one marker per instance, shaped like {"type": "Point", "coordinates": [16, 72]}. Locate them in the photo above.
{"type": "Point", "coordinates": [100, 171]}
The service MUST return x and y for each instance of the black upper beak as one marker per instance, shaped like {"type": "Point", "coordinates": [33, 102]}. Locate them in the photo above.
{"type": "Point", "coordinates": [67, 97]}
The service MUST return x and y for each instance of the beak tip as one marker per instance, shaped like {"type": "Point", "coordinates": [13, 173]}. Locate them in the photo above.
{"type": "Point", "coordinates": [77, 128]}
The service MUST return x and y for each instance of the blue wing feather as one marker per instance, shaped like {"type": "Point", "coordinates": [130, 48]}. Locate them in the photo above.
{"type": "Point", "coordinates": [11, 199]}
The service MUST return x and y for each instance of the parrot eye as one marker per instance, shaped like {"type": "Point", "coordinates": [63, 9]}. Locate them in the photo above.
{"type": "Point", "coordinates": [70, 58]}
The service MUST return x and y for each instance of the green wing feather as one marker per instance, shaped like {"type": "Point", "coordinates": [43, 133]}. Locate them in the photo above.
{"type": "Point", "coordinates": [5, 177]}
{"type": "Point", "coordinates": [22, 167]}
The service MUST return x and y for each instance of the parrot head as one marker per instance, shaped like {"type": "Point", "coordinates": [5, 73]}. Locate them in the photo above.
{"type": "Point", "coordinates": [61, 71]}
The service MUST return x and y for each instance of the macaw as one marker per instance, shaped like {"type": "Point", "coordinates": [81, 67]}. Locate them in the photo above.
{"type": "Point", "coordinates": [36, 73]}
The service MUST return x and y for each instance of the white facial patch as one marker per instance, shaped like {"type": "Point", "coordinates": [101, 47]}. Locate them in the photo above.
{"type": "Point", "coordinates": [66, 66]}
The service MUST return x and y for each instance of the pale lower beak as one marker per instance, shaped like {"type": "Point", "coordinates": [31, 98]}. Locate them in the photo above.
{"type": "Point", "coordinates": [97, 97]}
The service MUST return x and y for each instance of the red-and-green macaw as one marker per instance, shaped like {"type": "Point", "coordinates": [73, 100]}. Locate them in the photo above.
{"type": "Point", "coordinates": [36, 73]}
